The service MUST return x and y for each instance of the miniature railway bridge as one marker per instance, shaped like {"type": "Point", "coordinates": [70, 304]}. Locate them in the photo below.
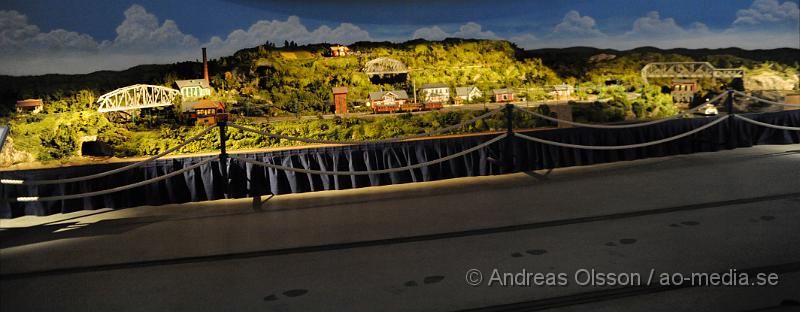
{"type": "Point", "coordinates": [385, 66]}
{"type": "Point", "coordinates": [136, 97]}
{"type": "Point", "coordinates": [688, 70]}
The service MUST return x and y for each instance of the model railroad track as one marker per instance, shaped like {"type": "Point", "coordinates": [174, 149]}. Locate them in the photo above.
{"type": "Point", "coordinates": [392, 241]}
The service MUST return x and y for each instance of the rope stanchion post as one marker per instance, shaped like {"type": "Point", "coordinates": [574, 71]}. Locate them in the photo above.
{"type": "Point", "coordinates": [508, 153]}
{"type": "Point", "coordinates": [732, 139]}
{"type": "Point", "coordinates": [222, 122]}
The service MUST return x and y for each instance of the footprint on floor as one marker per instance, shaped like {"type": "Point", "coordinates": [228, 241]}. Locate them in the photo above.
{"type": "Point", "coordinates": [762, 218]}
{"type": "Point", "coordinates": [433, 279]}
{"type": "Point", "coordinates": [289, 293]}
{"type": "Point", "coordinates": [271, 298]}
{"type": "Point", "coordinates": [532, 252]}
{"type": "Point", "coordinates": [687, 223]}
{"type": "Point", "coordinates": [295, 292]}
{"type": "Point", "coordinates": [790, 303]}
{"type": "Point", "coordinates": [536, 252]}
{"type": "Point", "coordinates": [624, 241]}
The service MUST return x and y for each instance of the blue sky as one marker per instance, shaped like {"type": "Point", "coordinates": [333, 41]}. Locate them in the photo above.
{"type": "Point", "coordinates": [51, 37]}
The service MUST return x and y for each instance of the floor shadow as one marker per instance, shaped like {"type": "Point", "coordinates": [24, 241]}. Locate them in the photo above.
{"type": "Point", "coordinates": [50, 232]}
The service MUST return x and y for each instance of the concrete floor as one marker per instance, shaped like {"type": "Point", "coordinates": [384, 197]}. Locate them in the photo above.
{"type": "Point", "coordinates": [409, 247]}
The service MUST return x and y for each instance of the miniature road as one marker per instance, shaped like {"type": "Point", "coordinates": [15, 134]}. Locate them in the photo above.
{"type": "Point", "coordinates": [411, 247]}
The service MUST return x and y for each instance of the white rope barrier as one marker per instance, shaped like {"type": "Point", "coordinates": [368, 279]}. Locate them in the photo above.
{"type": "Point", "coordinates": [116, 189]}
{"type": "Point", "coordinates": [620, 147]}
{"type": "Point", "coordinates": [764, 100]}
{"type": "Point", "coordinates": [763, 124]}
{"type": "Point", "coordinates": [110, 172]}
{"type": "Point", "coordinates": [579, 124]}
{"type": "Point", "coordinates": [370, 172]}
{"type": "Point", "coordinates": [318, 141]}
{"type": "Point", "coordinates": [438, 131]}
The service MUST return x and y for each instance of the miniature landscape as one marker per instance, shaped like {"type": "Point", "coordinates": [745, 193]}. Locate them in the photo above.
{"type": "Point", "coordinates": [267, 155]}
{"type": "Point", "coordinates": [288, 90]}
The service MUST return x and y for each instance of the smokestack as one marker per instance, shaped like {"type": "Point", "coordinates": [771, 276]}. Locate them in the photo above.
{"type": "Point", "coordinates": [205, 66]}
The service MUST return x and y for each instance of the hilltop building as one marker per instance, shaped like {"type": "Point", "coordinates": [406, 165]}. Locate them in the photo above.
{"type": "Point", "coordinates": [33, 106]}
{"type": "Point", "coordinates": [339, 50]}
{"type": "Point", "coordinates": [467, 94]}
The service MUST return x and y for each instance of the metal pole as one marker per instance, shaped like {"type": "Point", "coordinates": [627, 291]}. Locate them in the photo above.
{"type": "Point", "coordinates": [222, 122]}
{"type": "Point", "coordinates": [732, 142]}
{"type": "Point", "coordinates": [414, 90]}
{"type": "Point", "coordinates": [508, 159]}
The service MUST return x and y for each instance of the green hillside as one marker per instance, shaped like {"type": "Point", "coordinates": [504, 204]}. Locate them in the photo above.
{"type": "Point", "coordinates": [299, 78]}
{"type": "Point", "coordinates": [270, 81]}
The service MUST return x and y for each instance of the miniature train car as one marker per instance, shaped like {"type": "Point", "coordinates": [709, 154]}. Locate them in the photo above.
{"type": "Point", "coordinates": [397, 101]}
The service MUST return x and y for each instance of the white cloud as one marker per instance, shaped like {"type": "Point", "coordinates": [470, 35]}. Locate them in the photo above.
{"type": "Point", "coordinates": [573, 24]}
{"type": "Point", "coordinates": [430, 33]}
{"type": "Point", "coordinates": [698, 27]}
{"type": "Point", "coordinates": [14, 29]}
{"type": "Point", "coordinates": [474, 30]}
{"type": "Point", "coordinates": [17, 36]}
{"type": "Point", "coordinates": [525, 40]}
{"type": "Point", "coordinates": [140, 31]}
{"type": "Point", "coordinates": [290, 30]}
{"type": "Point", "coordinates": [653, 25]}
{"type": "Point", "coordinates": [345, 33]}
{"type": "Point", "coordinates": [141, 39]}
{"type": "Point", "coordinates": [470, 30]}
{"type": "Point", "coordinates": [664, 32]}
{"type": "Point", "coordinates": [768, 11]}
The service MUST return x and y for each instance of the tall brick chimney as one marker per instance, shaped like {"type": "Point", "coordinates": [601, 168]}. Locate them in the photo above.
{"type": "Point", "coordinates": [205, 66]}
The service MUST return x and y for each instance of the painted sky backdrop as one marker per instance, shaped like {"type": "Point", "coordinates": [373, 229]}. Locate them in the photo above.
{"type": "Point", "coordinates": [81, 36]}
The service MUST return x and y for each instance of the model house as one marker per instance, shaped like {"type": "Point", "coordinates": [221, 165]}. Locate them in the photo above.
{"type": "Point", "coordinates": [467, 94]}
{"type": "Point", "coordinates": [435, 93]}
{"type": "Point", "coordinates": [503, 95]}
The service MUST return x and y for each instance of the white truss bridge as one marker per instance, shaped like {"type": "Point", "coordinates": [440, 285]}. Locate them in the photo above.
{"type": "Point", "coordinates": [136, 97]}
{"type": "Point", "coordinates": [688, 70]}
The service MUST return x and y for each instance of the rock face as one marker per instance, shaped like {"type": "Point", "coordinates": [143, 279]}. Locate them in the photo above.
{"type": "Point", "coordinates": [762, 82]}
{"type": "Point", "coordinates": [601, 58]}
{"type": "Point", "coordinates": [10, 156]}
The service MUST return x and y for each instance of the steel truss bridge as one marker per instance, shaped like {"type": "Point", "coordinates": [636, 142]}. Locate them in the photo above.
{"type": "Point", "coordinates": [688, 70]}
{"type": "Point", "coordinates": [385, 66]}
{"type": "Point", "coordinates": [136, 97]}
